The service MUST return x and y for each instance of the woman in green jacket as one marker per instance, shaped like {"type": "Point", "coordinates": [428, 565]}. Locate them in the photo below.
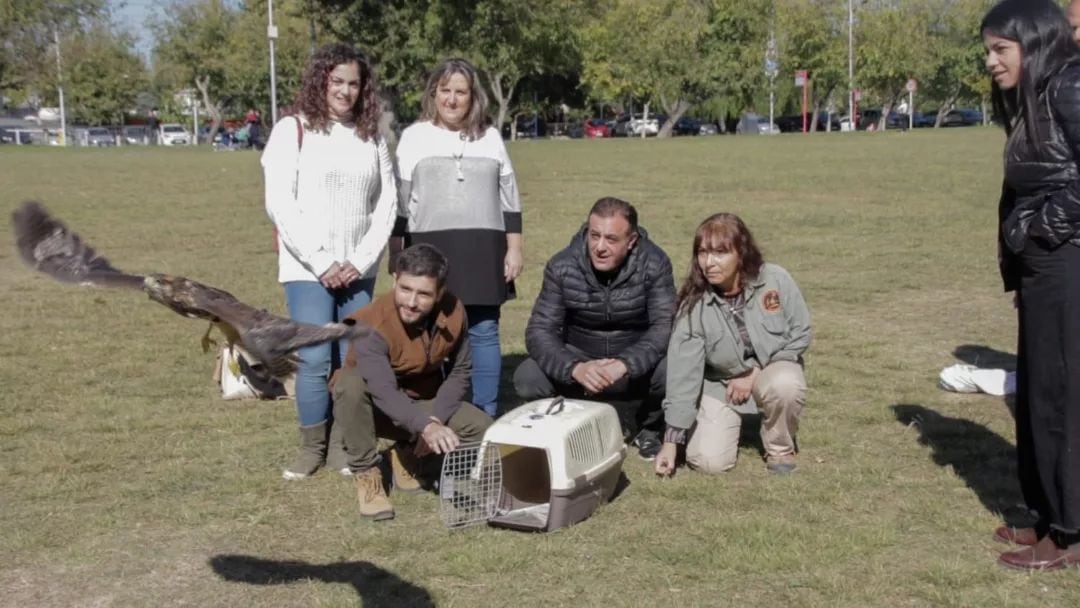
{"type": "Point", "coordinates": [741, 329]}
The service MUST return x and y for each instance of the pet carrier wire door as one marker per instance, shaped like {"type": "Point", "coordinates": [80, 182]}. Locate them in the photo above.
{"type": "Point", "coordinates": [470, 487]}
{"type": "Point", "coordinates": [544, 465]}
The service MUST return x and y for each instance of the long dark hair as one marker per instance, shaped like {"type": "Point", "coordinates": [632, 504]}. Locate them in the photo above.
{"type": "Point", "coordinates": [311, 98]}
{"type": "Point", "coordinates": [1046, 47]}
{"type": "Point", "coordinates": [722, 232]}
{"type": "Point", "coordinates": [478, 120]}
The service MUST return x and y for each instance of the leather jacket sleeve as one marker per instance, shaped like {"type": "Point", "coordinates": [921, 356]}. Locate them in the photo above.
{"type": "Point", "coordinates": [1059, 218]}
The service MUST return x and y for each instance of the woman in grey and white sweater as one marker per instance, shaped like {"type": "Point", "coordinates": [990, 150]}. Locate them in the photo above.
{"type": "Point", "coordinates": [331, 194]}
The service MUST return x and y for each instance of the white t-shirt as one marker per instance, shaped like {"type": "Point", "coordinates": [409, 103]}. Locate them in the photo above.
{"type": "Point", "coordinates": [333, 199]}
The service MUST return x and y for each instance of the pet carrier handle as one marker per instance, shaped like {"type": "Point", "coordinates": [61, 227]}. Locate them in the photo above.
{"type": "Point", "coordinates": [558, 402]}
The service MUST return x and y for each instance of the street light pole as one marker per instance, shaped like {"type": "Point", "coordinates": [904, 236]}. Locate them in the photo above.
{"type": "Point", "coordinates": [772, 68]}
{"type": "Point", "coordinates": [271, 35]}
{"type": "Point", "coordinates": [851, 64]}
{"type": "Point", "coordinates": [60, 86]}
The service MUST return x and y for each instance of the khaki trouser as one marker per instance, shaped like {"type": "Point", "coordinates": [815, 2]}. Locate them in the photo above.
{"type": "Point", "coordinates": [367, 431]}
{"type": "Point", "coordinates": [780, 392]}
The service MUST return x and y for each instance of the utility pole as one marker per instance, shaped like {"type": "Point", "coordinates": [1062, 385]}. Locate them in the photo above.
{"type": "Point", "coordinates": [271, 35]}
{"type": "Point", "coordinates": [60, 85]}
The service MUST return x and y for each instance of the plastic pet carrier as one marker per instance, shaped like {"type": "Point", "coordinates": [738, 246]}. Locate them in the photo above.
{"type": "Point", "coordinates": [544, 465]}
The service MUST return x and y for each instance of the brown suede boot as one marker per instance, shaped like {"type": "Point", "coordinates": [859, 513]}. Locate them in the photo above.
{"type": "Point", "coordinates": [369, 491]}
{"type": "Point", "coordinates": [405, 467]}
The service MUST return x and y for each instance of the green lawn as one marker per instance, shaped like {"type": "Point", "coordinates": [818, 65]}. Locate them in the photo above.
{"type": "Point", "coordinates": [126, 481]}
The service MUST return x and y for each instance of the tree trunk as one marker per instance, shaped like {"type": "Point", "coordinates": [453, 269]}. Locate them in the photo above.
{"type": "Point", "coordinates": [674, 114]}
{"type": "Point", "coordinates": [819, 101]}
{"type": "Point", "coordinates": [949, 101]}
{"type": "Point", "coordinates": [886, 109]}
{"type": "Point", "coordinates": [214, 110]}
{"type": "Point", "coordinates": [503, 96]}
{"type": "Point", "coordinates": [644, 118]}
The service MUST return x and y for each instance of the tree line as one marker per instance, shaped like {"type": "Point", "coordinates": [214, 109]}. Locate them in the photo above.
{"type": "Point", "coordinates": [676, 57]}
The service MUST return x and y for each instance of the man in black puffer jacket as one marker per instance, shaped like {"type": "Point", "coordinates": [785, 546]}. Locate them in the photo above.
{"type": "Point", "coordinates": [600, 326]}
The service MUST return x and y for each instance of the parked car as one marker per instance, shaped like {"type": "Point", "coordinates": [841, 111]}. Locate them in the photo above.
{"type": "Point", "coordinates": [527, 126]}
{"type": "Point", "coordinates": [135, 135]}
{"type": "Point", "coordinates": [865, 118]}
{"type": "Point", "coordinates": [687, 126]}
{"type": "Point", "coordinates": [594, 127]}
{"type": "Point", "coordinates": [172, 134]}
{"type": "Point", "coordinates": [752, 124]}
{"type": "Point", "coordinates": [963, 117]}
{"type": "Point", "coordinates": [98, 136]}
{"type": "Point", "coordinates": [629, 125]}
{"type": "Point", "coordinates": [923, 120]}
{"type": "Point", "coordinates": [708, 128]}
{"type": "Point", "coordinates": [639, 124]}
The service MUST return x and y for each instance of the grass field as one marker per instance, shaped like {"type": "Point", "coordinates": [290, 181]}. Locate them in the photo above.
{"type": "Point", "coordinates": [126, 481]}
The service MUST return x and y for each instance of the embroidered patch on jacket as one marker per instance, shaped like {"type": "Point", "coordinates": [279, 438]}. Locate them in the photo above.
{"type": "Point", "coordinates": [770, 301]}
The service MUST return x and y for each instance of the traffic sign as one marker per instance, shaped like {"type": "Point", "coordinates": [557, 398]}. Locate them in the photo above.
{"type": "Point", "coordinates": [800, 78]}
{"type": "Point", "coordinates": [912, 85]}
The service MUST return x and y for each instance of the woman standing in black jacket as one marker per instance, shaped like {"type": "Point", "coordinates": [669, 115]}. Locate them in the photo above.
{"type": "Point", "coordinates": [1035, 67]}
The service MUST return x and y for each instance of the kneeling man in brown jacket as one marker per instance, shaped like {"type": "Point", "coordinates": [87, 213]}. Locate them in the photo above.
{"type": "Point", "coordinates": [405, 381]}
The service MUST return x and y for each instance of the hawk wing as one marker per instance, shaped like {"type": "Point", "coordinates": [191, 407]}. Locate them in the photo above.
{"type": "Point", "coordinates": [271, 339]}
{"type": "Point", "coordinates": [46, 245]}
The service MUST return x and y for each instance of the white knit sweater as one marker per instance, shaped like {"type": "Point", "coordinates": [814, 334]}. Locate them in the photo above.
{"type": "Point", "coordinates": [332, 200]}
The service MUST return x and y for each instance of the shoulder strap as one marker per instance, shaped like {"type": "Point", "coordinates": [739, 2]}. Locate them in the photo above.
{"type": "Point", "coordinates": [299, 133]}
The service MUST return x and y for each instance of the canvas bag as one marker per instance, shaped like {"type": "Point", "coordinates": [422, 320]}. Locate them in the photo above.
{"type": "Point", "coordinates": [239, 376]}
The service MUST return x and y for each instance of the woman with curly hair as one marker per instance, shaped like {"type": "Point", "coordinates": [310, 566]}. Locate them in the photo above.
{"type": "Point", "coordinates": [458, 193]}
{"type": "Point", "coordinates": [741, 328]}
{"type": "Point", "coordinates": [331, 194]}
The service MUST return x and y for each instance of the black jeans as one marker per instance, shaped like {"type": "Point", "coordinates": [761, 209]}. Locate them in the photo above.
{"type": "Point", "coordinates": [638, 400]}
{"type": "Point", "coordinates": [1048, 388]}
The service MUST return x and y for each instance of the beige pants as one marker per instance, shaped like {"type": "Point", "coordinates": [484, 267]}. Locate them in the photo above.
{"type": "Point", "coordinates": [780, 392]}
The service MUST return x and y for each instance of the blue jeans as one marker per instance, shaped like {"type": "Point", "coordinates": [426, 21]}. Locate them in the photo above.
{"type": "Point", "coordinates": [486, 357]}
{"type": "Point", "coordinates": [310, 302]}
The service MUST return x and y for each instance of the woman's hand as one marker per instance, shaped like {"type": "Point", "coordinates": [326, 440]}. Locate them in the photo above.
{"type": "Point", "coordinates": [665, 460]}
{"type": "Point", "coordinates": [348, 274]}
{"type": "Point", "coordinates": [331, 279]}
{"type": "Point", "coordinates": [739, 389]}
{"type": "Point", "coordinates": [512, 264]}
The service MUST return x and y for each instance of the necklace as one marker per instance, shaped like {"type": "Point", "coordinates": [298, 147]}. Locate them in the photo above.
{"type": "Point", "coordinates": [457, 158]}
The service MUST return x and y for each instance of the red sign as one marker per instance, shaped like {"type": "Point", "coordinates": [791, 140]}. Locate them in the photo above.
{"type": "Point", "coordinates": [800, 78]}
{"type": "Point", "coordinates": [857, 94]}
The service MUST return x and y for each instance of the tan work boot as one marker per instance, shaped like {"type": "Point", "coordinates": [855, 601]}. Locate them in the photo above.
{"type": "Point", "coordinates": [369, 491]}
{"type": "Point", "coordinates": [404, 466]}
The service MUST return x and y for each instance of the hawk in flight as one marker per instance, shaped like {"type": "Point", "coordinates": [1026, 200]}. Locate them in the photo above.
{"type": "Point", "coordinates": [47, 245]}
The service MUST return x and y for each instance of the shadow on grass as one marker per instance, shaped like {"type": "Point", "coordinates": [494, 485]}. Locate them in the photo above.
{"type": "Point", "coordinates": [375, 586]}
{"type": "Point", "coordinates": [983, 459]}
{"type": "Point", "coordinates": [985, 357]}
